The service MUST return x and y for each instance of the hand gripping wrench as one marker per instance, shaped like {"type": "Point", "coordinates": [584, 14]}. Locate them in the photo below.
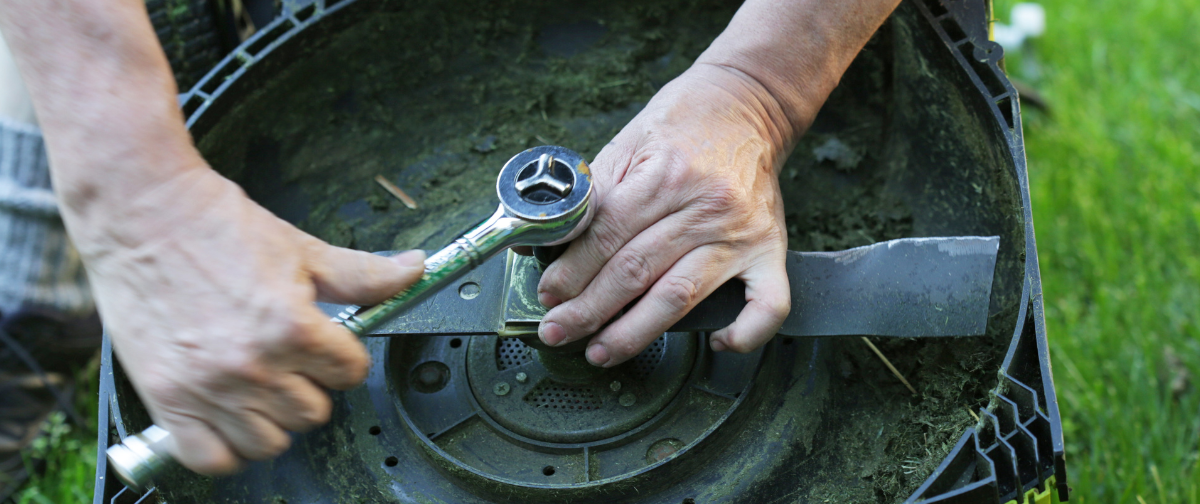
{"type": "Point", "coordinates": [544, 200]}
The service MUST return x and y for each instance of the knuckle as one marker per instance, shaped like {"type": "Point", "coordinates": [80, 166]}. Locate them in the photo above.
{"type": "Point", "coordinates": [583, 318]}
{"type": "Point", "coordinates": [780, 306]}
{"type": "Point", "coordinates": [633, 270]}
{"type": "Point", "coordinates": [270, 446]}
{"type": "Point", "coordinates": [625, 346]}
{"type": "Point", "coordinates": [678, 293]}
{"type": "Point", "coordinates": [166, 393]}
{"type": "Point", "coordinates": [740, 345]}
{"type": "Point", "coordinates": [721, 196]}
{"type": "Point", "coordinates": [303, 339]}
{"type": "Point", "coordinates": [316, 413]}
{"type": "Point", "coordinates": [240, 368]}
{"type": "Point", "coordinates": [557, 281]}
{"type": "Point", "coordinates": [353, 367]}
{"type": "Point", "coordinates": [212, 465]}
{"type": "Point", "coordinates": [605, 239]}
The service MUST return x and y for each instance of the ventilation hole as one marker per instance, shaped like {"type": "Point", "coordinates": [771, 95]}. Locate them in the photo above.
{"type": "Point", "coordinates": [935, 7]}
{"type": "Point", "coordinates": [647, 361]}
{"type": "Point", "coordinates": [511, 353]}
{"type": "Point", "coordinates": [787, 341]}
{"type": "Point", "coordinates": [192, 104]}
{"type": "Point", "coordinates": [303, 14]}
{"type": "Point", "coordinates": [564, 397]}
{"type": "Point", "coordinates": [688, 500]}
{"type": "Point", "coordinates": [267, 38]}
{"type": "Point", "coordinates": [1006, 110]}
{"type": "Point", "coordinates": [374, 430]}
{"type": "Point", "coordinates": [391, 461]}
{"type": "Point", "coordinates": [548, 470]}
{"type": "Point", "coordinates": [222, 74]}
{"type": "Point", "coordinates": [955, 32]}
{"type": "Point", "coordinates": [456, 342]}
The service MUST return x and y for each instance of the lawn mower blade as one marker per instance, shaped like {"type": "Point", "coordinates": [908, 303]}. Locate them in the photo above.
{"type": "Point", "coordinates": [910, 287]}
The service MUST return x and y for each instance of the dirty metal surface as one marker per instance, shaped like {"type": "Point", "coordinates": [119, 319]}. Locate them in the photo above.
{"type": "Point", "coordinates": [502, 411]}
{"type": "Point", "coordinates": [909, 287]}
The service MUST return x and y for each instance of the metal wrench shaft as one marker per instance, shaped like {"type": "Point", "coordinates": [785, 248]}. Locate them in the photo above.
{"type": "Point", "coordinates": [544, 200]}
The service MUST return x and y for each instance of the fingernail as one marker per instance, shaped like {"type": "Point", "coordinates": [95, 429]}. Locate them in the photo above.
{"type": "Point", "coordinates": [597, 355]}
{"type": "Point", "coordinates": [411, 258]}
{"type": "Point", "coordinates": [551, 333]}
{"type": "Point", "coordinates": [548, 300]}
{"type": "Point", "coordinates": [717, 345]}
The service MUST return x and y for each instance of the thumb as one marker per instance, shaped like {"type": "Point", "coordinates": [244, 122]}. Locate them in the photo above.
{"type": "Point", "coordinates": [347, 276]}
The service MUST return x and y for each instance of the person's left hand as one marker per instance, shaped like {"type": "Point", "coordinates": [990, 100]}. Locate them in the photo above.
{"type": "Point", "coordinates": [687, 197]}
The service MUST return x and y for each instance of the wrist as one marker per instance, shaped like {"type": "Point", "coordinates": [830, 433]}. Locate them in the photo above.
{"type": "Point", "coordinates": [797, 50]}
{"type": "Point", "coordinates": [776, 114]}
{"type": "Point", "coordinates": [177, 201]}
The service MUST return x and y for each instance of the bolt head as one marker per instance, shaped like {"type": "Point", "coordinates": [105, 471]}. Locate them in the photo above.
{"type": "Point", "coordinates": [545, 180]}
{"type": "Point", "coordinates": [430, 377]}
{"type": "Point", "coordinates": [522, 377]}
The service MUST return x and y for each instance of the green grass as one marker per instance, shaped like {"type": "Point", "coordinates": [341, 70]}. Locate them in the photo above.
{"type": "Point", "coordinates": [1115, 183]}
{"type": "Point", "coordinates": [69, 451]}
{"type": "Point", "coordinates": [1115, 176]}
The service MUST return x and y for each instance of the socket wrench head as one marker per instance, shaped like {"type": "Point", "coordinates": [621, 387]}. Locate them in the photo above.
{"type": "Point", "coordinates": [550, 187]}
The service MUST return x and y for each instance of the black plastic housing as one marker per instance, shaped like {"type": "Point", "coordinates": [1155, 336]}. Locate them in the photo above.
{"type": "Point", "coordinates": [1015, 452]}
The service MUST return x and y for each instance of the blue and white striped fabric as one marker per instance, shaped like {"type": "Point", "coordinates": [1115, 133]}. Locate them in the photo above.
{"type": "Point", "coordinates": [38, 264]}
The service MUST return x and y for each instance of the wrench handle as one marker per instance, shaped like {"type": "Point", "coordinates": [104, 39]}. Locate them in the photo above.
{"type": "Point", "coordinates": [443, 267]}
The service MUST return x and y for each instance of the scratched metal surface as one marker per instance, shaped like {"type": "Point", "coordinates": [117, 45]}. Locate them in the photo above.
{"type": "Point", "coordinates": [910, 287]}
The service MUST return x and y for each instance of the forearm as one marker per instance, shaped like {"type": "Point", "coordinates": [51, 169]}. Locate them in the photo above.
{"type": "Point", "coordinates": [797, 50]}
{"type": "Point", "coordinates": [105, 99]}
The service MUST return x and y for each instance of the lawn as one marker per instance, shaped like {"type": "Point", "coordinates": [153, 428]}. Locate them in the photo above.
{"type": "Point", "coordinates": [1115, 179]}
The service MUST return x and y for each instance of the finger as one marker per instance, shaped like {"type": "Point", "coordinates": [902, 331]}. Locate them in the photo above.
{"type": "Point", "coordinates": [689, 281]}
{"type": "Point", "coordinates": [347, 276]}
{"type": "Point", "coordinates": [326, 353]}
{"type": "Point", "coordinates": [297, 404]}
{"type": "Point", "coordinates": [249, 432]}
{"type": "Point", "coordinates": [768, 302]}
{"type": "Point", "coordinates": [197, 446]}
{"type": "Point", "coordinates": [628, 210]}
{"type": "Point", "coordinates": [629, 273]}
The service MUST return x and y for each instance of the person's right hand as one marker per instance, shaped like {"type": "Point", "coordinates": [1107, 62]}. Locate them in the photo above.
{"type": "Point", "coordinates": [209, 300]}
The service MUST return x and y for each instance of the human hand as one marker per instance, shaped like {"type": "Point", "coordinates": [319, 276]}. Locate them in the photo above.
{"type": "Point", "coordinates": [209, 300]}
{"type": "Point", "coordinates": [687, 197]}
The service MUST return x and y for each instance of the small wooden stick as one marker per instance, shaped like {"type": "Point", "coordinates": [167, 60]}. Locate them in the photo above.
{"type": "Point", "coordinates": [972, 412]}
{"type": "Point", "coordinates": [390, 187]}
{"type": "Point", "coordinates": [889, 365]}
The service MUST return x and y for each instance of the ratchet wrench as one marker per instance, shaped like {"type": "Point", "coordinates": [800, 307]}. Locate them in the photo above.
{"type": "Point", "coordinates": [544, 200]}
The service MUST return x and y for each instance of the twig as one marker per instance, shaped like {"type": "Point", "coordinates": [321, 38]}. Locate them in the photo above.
{"type": "Point", "coordinates": [390, 187]}
{"type": "Point", "coordinates": [972, 412]}
{"type": "Point", "coordinates": [889, 365]}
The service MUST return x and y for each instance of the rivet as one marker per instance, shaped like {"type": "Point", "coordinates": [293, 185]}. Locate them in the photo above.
{"type": "Point", "coordinates": [522, 377]}
{"type": "Point", "coordinates": [662, 449]}
{"type": "Point", "coordinates": [627, 399]}
{"type": "Point", "coordinates": [615, 386]}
